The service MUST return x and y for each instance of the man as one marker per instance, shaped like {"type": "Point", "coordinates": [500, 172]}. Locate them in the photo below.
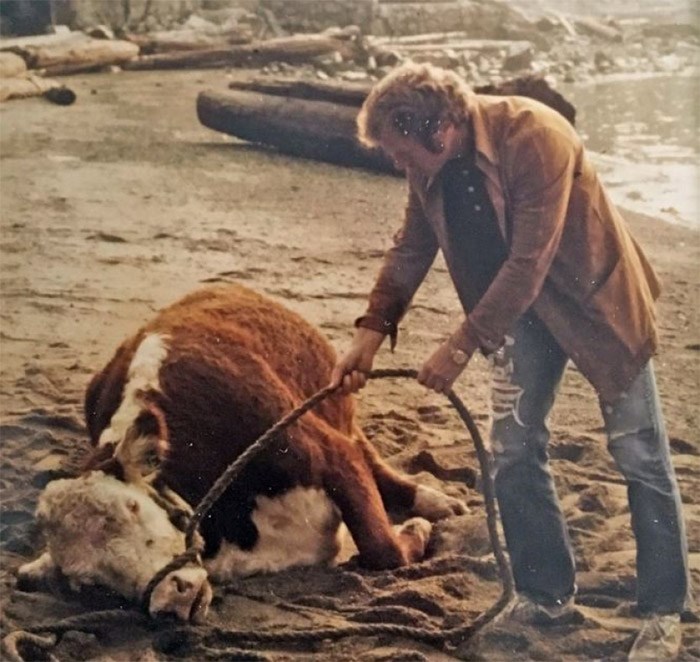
{"type": "Point", "coordinates": [546, 271]}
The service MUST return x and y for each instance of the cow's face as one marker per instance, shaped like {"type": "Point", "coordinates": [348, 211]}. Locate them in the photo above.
{"type": "Point", "coordinates": [100, 530]}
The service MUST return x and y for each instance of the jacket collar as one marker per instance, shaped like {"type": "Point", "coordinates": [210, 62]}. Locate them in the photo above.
{"type": "Point", "coordinates": [484, 147]}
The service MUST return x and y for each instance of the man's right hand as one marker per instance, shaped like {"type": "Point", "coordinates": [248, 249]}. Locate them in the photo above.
{"type": "Point", "coordinates": [350, 371]}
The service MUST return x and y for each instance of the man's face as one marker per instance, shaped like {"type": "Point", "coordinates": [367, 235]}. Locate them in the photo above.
{"type": "Point", "coordinates": [406, 152]}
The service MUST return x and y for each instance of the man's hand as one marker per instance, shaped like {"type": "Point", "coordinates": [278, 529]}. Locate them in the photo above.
{"type": "Point", "coordinates": [350, 371]}
{"type": "Point", "coordinates": [441, 370]}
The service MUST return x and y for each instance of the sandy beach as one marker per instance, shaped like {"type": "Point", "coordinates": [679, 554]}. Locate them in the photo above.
{"type": "Point", "coordinates": [120, 204]}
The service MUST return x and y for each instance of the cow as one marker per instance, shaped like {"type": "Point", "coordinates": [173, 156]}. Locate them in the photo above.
{"type": "Point", "coordinates": [177, 403]}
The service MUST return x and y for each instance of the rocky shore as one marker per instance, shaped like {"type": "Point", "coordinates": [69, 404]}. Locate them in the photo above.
{"type": "Point", "coordinates": [486, 41]}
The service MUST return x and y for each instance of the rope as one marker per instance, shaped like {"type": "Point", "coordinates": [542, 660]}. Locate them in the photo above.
{"type": "Point", "coordinates": [27, 641]}
{"type": "Point", "coordinates": [261, 444]}
{"type": "Point", "coordinates": [433, 636]}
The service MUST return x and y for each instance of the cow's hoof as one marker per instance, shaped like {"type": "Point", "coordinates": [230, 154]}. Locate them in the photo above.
{"type": "Point", "coordinates": [414, 535]}
{"type": "Point", "coordinates": [434, 505]}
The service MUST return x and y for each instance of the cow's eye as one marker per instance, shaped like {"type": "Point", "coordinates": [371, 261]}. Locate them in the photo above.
{"type": "Point", "coordinates": [149, 543]}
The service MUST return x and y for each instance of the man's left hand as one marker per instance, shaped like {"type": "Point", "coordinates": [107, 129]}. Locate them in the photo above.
{"type": "Point", "coordinates": [441, 370]}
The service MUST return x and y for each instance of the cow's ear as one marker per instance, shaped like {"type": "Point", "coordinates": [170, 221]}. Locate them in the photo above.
{"type": "Point", "coordinates": [152, 422]}
{"type": "Point", "coordinates": [145, 443]}
{"type": "Point", "coordinates": [111, 467]}
{"type": "Point", "coordinates": [103, 459]}
{"type": "Point", "coordinates": [99, 456]}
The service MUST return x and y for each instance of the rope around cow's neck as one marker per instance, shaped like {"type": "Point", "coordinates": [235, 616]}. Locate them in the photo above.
{"type": "Point", "coordinates": [433, 636]}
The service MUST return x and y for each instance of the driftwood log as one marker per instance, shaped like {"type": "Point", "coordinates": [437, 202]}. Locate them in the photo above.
{"type": "Point", "coordinates": [598, 29]}
{"type": "Point", "coordinates": [347, 93]}
{"type": "Point", "coordinates": [297, 48]}
{"type": "Point", "coordinates": [76, 54]}
{"type": "Point", "coordinates": [472, 45]}
{"type": "Point", "coordinates": [317, 120]}
{"type": "Point", "coordinates": [414, 39]}
{"type": "Point", "coordinates": [16, 82]}
{"type": "Point", "coordinates": [354, 94]}
{"type": "Point", "coordinates": [188, 40]}
{"type": "Point", "coordinates": [312, 129]}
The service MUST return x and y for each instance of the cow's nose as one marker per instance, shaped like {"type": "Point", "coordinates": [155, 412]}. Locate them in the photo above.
{"type": "Point", "coordinates": [185, 593]}
{"type": "Point", "coordinates": [183, 585]}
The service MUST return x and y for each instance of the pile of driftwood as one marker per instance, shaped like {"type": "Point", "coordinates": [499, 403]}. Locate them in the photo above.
{"type": "Point", "coordinates": [27, 64]}
{"type": "Point", "coordinates": [316, 120]}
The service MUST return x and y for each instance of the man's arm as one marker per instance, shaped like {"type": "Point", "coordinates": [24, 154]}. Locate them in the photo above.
{"type": "Point", "coordinates": [404, 268]}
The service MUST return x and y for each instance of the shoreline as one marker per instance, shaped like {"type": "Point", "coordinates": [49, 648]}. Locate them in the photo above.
{"type": "Point", "coordinates": [667, 191]}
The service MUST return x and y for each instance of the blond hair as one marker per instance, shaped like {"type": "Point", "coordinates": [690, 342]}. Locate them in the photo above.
{"type": "Point", "coordinates": [422, 94]}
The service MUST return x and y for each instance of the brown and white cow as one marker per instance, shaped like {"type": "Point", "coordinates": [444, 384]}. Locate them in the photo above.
{"type": "Point", "coordinates": [180, 401]}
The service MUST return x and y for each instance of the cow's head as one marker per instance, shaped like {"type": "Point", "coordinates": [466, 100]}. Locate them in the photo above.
{"type": "Point", "coordinates": [100, 530]}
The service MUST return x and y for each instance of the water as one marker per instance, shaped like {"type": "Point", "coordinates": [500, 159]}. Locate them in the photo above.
{"type": "Point", "coordinates": [643, 134]}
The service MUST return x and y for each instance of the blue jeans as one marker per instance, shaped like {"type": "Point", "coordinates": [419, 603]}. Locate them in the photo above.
{"type": "Point", "coordinates": [527, 372]}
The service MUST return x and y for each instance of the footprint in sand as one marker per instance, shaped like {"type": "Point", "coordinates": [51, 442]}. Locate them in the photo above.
{"type": "Point", "coordinates": [411, 599]}
{"type": "Point", "coordinates": [433, 414]}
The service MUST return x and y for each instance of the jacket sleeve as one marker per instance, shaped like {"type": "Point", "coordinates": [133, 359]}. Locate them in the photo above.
{"type": "Point", "coordinates": [540, 170]}
{"type": "Point", "coordinates": [405, 265]}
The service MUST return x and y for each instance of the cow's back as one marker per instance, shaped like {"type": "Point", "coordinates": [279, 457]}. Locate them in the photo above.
{"type": "Point", "coordinates": [242, 320]}
{"type": "Point", "coordinates": [235, 362]}
{"type": "Point", "coordinates": [291, 347]}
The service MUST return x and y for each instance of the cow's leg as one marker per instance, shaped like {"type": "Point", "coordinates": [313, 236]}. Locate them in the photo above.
{"type": "Point", "coordinates": [349, 482]}
{"type": "Point", "coordinates": [400, 493]}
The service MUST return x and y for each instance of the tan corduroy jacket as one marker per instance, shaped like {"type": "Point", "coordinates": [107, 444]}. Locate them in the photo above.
{"type": "Point", "coordinates": [570, 256]}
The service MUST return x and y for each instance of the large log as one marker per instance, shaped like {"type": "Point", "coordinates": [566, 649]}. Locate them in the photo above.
{"type": "Point", "coordinates": [187, 40]}
{"type": "Point", "coordinates": [298, 48]}
{"type": "Point", "coordinates": [347, 93]}
{"type": "Point", "coordinates": [321, 123]}
{"type": "Point", "coordinates": [413, 39]}
{"type": "Point", "coordinates": [312, 129]}
{"type": "Point", "coordinates": [354, 94]}
{"type": "Point", "coordinates": [566, 24]}
{"type": "Point", "coordinates": [76, 54]}
{"type": "Point", "coordinates": [598, 29]}
{"type": "Point", "coordinates": [472, 45]}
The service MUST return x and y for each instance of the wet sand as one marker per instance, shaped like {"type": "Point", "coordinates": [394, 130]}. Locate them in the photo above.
{"type": "Point", "coordinates": [122, 203]}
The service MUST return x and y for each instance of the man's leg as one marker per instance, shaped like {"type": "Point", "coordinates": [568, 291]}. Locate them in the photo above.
{"type": "Point", "coordinates": [638, 442]}
{"type": "Point", "coordinates": [527, 372]}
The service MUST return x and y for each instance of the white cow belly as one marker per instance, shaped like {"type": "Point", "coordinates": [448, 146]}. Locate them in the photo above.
{"type": "Point", "coordinates": [299, 527]}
